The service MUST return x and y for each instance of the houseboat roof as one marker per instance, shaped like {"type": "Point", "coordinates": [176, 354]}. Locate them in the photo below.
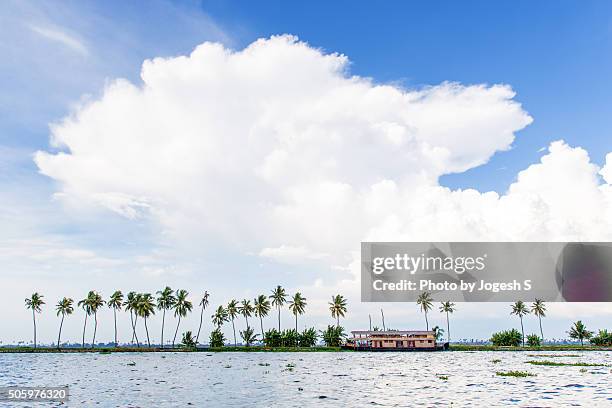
{"type": "Point", "coordinates": [391, 332]}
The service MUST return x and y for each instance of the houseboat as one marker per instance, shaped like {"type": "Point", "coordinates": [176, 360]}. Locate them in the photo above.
{"type": "Point", "coordinates": [394, 340]}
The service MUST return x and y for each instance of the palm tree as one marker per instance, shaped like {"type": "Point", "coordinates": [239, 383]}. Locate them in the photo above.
{"type": "Point", "coordinates": [232, 312]}
{"type": "Point", "coordinates": [86, 305]}
{"type": "Point", "coordinates": [278, 297]}
{"type": "Point", "coordinates": [262, 308]}
{"type": "Point", "coordinates": [182, 306]}
{"type": "Point", "coordinates": [580, 332]}
{"type": "Point", "coordinates": [297, 305]}
{"type": "Point", "coordinates": [115, 302]}
{"type": "Point", "coordinates": [248, 336]}
{"type": "Point", "coordinates": [63, 307]}
{"type": "Point", "coordinates": [165, 301]}
{"type": "Point", "coordinates": [520, 309]}
{"type": "Point", "coordinates": [130, 305]}
{"type": "Point", "coordinates": [424, 300]}
{"type": "Point", "coordinates": [246, 309]}
{"type": "Point", "coordinates": [438, 332]}
{"type": "Point", "coordinates": [447, 307]}
{"type": "Point", "coordinates": [203, 305]}
{"type": "Point", "coordinates": [144, 309]}
{"type": "Point", "coordinates": [96, 302]}
{"type": "Point", "coordinates": [338, 308]}
{"type": "Point", "coordinates": [219, 317]}
{"type": "Point", "coordinates": [35, 303]}
{"type": "Point", "coordinates": [539, 309]}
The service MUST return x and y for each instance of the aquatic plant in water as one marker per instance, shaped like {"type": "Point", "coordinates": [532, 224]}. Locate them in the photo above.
{"type": "Point", "coordinates": [514, 374]}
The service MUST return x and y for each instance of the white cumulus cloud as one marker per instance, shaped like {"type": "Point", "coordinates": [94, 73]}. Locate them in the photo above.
{"type": "Point", "coordinates": [278, 150]}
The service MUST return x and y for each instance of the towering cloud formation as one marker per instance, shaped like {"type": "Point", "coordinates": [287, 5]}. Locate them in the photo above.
{"type": "Point", "coordinates": [278, 150]}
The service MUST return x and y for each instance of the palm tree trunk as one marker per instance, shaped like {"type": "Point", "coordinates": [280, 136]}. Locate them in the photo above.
{"type": "Point", "coordinates": [60, 332]}
{"type": "Point", "coordinates": [136, 334]}
{"type": "Point", "coordinates": [297, 341]}
{"type": "Point", "coordinates": [133, 329]}
{"type": "Point", "coordinates": [426, 321]}
{"type": "Point", "coordinates": [176, 331]}
{"type": "Point", "coordinates": [147, 330]}
{"type": "Point", "coordinates": [115, 318]}
{"type": "Point", "coordinates": [234, 328]}
{"type": "Point", "coordinates": [84, 327]}
{"type": "Point", "coordinates": [522, 331]}
{"type": "Point", "coordinates": [278, 318]}
{"type": "Point", "coordinates": [163, 322]}
{"type": "Point", "coordinates": [262, 331]}
{"type": "Point", "coordinates": [447, 328]}
{"type": "Point", "coordinates": [337, 320]}
{"type": "Point", "coordinates": [200, 326]}
{"type": "Point", "coordinates": [34, 319]}
{"type": "Point", "coordinates": [541, 332]}
{"type": "Point", "coordinates": [93, 341]}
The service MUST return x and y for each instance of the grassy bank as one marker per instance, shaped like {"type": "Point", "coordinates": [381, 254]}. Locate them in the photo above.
{"type": "Point", "coordinates": [564, 347]}
{"type": "Point", "coordinates": [104, 350]}
{"type": "Point", "coordinates": [260, 349]}
{"type": "Point", "coordinates": [277, 349]}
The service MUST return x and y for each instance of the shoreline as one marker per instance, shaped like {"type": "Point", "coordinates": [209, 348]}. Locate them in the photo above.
{"type": "Point", "coordinates": [258, 349]}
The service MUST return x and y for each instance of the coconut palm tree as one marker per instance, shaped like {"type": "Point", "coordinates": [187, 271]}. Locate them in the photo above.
{"type": "Point", "coordinates": [165, 301]}
{"type": "Point", "coordinates": [297, 305]}
{"type": "Point", "coordinates": [35, 303]}
{"type": "Point", "coordinates": [539, 309]}
{"type": "Point", "coordinates": [203, 305]}
{"type": "Point", "coordinates": [130, 305]}
{"type": "Point", "coordinates": [232, 312]}
{"type": "Point", "coordinates": [262, 308]}
{"type": "Point", "coordinates": [279, 297]}
{"type": "Point", "coordinates": [85, 304]}
{"type": "Point", "coordinates": [219, 317]}
{"type": "Point", "coordinates": [580, 332]}
{"type": "Point", "coordinates": [63, 307]}
{"type": "Point", "coordinates": [248, 336]}
{"type": "Point", "coordinates": [438, 332]}
{"type": "Point", "coordinates": [145, 308]}
{"type": "Point", "coordinates": [520, 309]}
{"type": "Point", "coordinates": [447, 307]}
{"type": "Point", "coordinates": [115, 302]}
{"type": "Point", "coordinates": [246, 310]}
{"type": "Point", "coordinates": [96, 302]}
{"type": "Point", "coordinates": [337, 308]}
{"type": "Point", "coordinates": [182, 306]}
{"type": "Point", "coordinates": [426, 303]}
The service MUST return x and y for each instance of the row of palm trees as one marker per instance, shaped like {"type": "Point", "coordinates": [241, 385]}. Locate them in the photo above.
{"type": "Point", "coordinates": [144, 305]}
{"type": "Point", "coordinates": [519, 308]}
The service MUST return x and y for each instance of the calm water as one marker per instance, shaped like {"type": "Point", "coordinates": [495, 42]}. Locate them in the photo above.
{"type": "Point", "coordinates": [316, 379]}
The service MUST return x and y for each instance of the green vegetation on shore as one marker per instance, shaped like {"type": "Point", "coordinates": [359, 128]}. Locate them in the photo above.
{"type": "Point", "coordinates": [551, 347]}
{"type": "Point", "coordinates": [453, 347]}
{"type": "Point", "coordinates": [110, 350]}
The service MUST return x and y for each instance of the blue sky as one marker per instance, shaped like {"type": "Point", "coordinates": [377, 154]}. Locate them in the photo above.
{"type": "Point", "coordinates": [556, 56]}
